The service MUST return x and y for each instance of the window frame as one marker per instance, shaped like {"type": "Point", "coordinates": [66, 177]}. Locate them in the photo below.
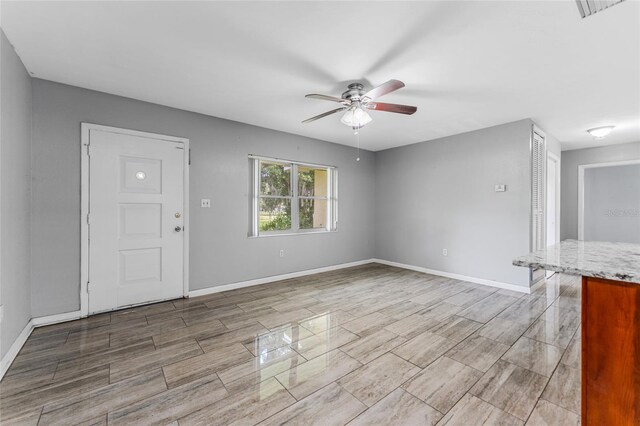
{"type": "Point", "coordinates": [331, 198]}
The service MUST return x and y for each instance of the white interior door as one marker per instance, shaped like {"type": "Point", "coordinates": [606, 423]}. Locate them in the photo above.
{"type": "Point", "coordinates": [136, 201]}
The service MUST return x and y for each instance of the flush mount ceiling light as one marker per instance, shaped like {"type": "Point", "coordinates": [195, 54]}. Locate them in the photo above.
{"type": "Point", "coordinates": [600, 132]}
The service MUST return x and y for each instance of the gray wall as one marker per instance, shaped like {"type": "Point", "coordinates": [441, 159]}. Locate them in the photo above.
{"type": "Point", "coordinates": [440, 194]}
{"type": "Point", "coordinates": [15, 199]}
{"type": "Point", "coordinates": [612, 204]}
{"type": "Point", "coordinates": [570, 162]}
{"type": "Point", "coordinates": [220, 251]}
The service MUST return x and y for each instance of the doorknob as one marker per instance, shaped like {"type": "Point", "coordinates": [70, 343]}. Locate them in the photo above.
{"type": "Point", "coordinates": [178, 229]}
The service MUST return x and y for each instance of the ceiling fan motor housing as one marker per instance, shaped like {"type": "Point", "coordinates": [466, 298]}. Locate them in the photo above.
{"type": "Point", "coordinates": [354, 92]}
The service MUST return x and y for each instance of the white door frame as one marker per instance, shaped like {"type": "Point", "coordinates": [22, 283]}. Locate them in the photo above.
{"type": "Point", "coordinates": [84, 205]}
{"type": "Point", "coordinates": [556, 160]}
{"type": "Point", "coordinates": [581, 169]}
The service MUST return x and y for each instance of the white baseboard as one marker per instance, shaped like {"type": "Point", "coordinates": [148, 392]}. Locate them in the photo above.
{"type": "Point", "coordinates": [258, 281]}
{"type": "Point", "coordinates": [6, 361]}
{"type": "Point", "coordinates": [475, 280]}
{"type": "Point", "coordinates": [249, 283]}
{"type": "Point", "coordinates": [55, 319]}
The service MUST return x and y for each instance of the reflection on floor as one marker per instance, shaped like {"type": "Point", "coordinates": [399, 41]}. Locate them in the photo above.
{"type": "Point", "coordinates": [365, 345]}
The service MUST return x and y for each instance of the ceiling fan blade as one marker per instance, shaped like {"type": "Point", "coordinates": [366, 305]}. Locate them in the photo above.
{"type": "Point", "coordinates": [327, 98]}
{"type": "Point", "coordinates": [324, 114]}
{"type": "Point", "coordinates": [382, 90]}
{"type": "Point", "coordinates": [401, 109]}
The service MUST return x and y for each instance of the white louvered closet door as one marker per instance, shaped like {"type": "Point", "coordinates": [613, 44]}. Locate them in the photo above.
{"type": "Point", "coordinates": [538, 191]}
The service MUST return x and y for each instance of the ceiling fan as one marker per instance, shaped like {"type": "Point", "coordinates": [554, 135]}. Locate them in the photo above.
{"type": "Point", "coordinates": [355, 103]}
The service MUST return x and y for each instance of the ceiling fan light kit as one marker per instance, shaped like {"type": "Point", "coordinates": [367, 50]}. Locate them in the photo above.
{"type": "Point", "coordinates": [355, 103]}
{"type": "Point", "coordinates": [355, 117]}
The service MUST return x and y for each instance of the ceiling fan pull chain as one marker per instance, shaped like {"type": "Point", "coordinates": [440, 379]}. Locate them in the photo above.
{"type": "Point", "coordinates": [357, 144]}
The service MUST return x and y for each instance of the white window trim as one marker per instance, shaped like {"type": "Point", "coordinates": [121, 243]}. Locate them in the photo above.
{"type": "Point", "coordinates": [332, 198]}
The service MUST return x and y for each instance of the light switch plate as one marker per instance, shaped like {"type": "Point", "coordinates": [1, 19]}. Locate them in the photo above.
{"type": "Point", "coordinates": [501, 188]}
{"type": "Point", "coordinates": [205, 202]}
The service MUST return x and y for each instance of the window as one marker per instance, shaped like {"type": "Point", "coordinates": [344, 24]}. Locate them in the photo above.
{"type": "Point", "coordinates": [290, 197]}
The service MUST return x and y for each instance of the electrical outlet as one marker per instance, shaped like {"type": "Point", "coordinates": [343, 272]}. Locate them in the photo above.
{"type": "Point", "coordinates": [205, 203]}
{"type": "Point", "coordinates": [281, 253]}
{"type": "Point", "coordinates": [444, 252]}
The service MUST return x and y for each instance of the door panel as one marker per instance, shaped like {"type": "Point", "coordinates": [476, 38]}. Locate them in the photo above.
{"type": "Point", "coordinates": [139, 220]}
{"type": "Point", "coordinates": [140, 175]}
{"type": "Point", "coordinates": [136, 201]}
{"type": "Point", "coordinates": [140, 265]}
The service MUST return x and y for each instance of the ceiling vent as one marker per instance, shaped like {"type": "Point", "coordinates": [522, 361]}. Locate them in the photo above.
{"type": "Point", "coordinates": [589, 7]}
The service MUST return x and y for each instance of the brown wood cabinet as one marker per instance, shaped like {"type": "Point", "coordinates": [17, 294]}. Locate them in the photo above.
{"type": "Point", "coordinates": [610, 352]}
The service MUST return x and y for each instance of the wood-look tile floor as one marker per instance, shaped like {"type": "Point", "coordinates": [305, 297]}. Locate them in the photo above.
{"type": "Point", "coordinates": [369, 345]}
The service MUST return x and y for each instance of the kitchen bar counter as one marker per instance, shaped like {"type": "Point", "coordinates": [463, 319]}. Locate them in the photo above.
{"type": "Point", "coordinates": [610, 324]}
{"type": "Point", "coordinates": [612, 261]}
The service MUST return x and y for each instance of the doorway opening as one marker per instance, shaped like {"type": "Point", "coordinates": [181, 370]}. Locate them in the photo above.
{"type": "Point", "coordinates": [609, 202]}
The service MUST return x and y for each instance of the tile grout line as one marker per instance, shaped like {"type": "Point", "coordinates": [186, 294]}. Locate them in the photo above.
{"type": "Point", "coordinates": [467, 392]}
{"type": "Point", "coordinates": [559, 361]}
{"type": "Point", "coordinates": [551, 376]}
{"type": "Point", "coordinates": [40, 415]}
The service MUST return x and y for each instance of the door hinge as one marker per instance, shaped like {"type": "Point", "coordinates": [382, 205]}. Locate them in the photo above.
{"type": "Point", "coordinates": [88, 150]}
{"type": "Point", "coordinates": [88, 219]}
{"type": "Point", "coordinates": [88, 286]}
{"type": "Point", "coordinates": [189, 161]}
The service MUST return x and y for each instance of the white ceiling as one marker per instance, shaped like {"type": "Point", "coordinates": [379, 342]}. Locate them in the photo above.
{"type": "Point", "coordinates": [466, 65]}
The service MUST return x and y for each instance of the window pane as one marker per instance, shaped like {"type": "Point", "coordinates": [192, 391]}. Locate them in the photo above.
{"type": "Point", "coordinates": [312, 182]}
{"type": "Point", "coordinates": [275, 214]}
{"type": "Point", "coordinates": [313, 214]}
{"type": "Point", "coordinates": [275, 179]}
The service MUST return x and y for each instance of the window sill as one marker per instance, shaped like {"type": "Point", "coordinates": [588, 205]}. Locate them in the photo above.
{"type": "Point", "coordinates": [289, 234]}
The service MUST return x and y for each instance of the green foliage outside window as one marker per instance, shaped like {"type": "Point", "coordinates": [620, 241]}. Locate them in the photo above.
{"type": "Point", "coordinates": [306, 187]}
{"type": "Point", "coordinates": [275, 213]}
{"type": "Point", "coordinates": [279, 223]}
{"type": "Point", "coordinates": [276, 196]}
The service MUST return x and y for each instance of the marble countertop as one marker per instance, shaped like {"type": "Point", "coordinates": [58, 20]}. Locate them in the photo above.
{"type": "Point", "coordinates": [613, 261]}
